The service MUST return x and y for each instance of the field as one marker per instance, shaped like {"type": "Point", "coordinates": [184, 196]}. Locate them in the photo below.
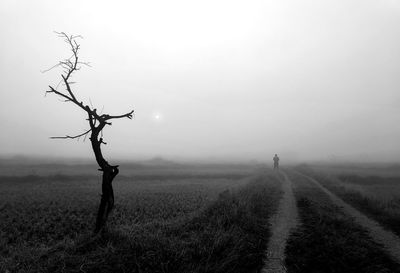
{"type": "Point", "coordinates": [198, 218]}
{"type": "Point", "coordinates": [329, 240]}
{"type": "Point", "coordinates": [374, 192]}
{"type": "Point", "coordinates": [166, 219]}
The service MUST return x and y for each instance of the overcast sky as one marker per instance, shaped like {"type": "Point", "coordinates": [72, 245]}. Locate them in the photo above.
{"type": "Point", "coordinates": [207, 79]}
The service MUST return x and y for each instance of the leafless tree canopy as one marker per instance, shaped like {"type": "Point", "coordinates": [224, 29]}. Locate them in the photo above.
{"type": "Point", "coordinates": [97, 122]}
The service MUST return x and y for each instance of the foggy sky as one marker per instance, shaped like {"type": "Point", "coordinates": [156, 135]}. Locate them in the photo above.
{"type": "Point", "coordinates": [308, 80]}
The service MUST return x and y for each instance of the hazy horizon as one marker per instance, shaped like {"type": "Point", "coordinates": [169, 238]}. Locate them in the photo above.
{"type": "Point", "coordinates": [210, 80]}
{"type": "Point", "coordinates": [35, 160]}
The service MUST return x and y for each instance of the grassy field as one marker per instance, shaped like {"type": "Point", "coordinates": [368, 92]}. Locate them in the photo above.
{"type": "Point", "coordinates": [189, 218]}
{"type": "Point", "coordinates": [376, 196]}
{"type": "Point", "coordinates": [166, 219]}
{"type": "Point", "coordinates": [328, 240]}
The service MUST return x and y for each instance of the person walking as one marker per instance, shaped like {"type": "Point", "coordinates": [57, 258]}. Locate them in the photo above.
{"type": "Point", "coordinates": [276, 162]}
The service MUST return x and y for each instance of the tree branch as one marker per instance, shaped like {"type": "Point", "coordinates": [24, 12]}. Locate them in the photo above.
{"type": "Point", "coordinates": [52, 90]}
{"type": "Point", "coordinates": [72, 99]}
{"type": "Point", "coordinates": [127, 115]}
{"type": "Point", "coordinates": [68, 87]}
{"type": "Point", "coordinates": [73, 137]}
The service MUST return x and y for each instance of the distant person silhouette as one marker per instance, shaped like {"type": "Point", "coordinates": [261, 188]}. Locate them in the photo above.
{"type": "Point", "coordinates": [276, 162]}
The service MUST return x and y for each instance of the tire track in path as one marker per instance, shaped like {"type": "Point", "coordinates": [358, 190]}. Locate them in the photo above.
{"type": "Point", "coordinates": [388, 239]}
{"type": "Point", "coordinates": [282, 223]}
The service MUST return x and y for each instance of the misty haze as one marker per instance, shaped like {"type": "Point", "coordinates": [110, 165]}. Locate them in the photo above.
{"type": "Point", "coordinates": [209, 136]}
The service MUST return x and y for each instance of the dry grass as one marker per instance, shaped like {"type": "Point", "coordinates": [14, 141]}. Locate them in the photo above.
{"type": "Point", "coordinates": [377, 197]}
{"type": "Point", "coordinates": [329, 240]}
{"type": "Point", "coordinates": [161, 224]}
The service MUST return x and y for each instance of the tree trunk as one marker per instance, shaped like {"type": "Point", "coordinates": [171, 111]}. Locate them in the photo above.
{"type": "Point", "coordinates": [107, 198]}
{"type": "Point", "coordinates": [109, 173]}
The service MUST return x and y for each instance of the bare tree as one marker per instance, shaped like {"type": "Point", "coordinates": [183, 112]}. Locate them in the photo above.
{"type": "Point", "coordinates": [97, 122]}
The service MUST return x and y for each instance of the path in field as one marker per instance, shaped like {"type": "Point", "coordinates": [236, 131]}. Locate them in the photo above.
{"type": "Point", "coordinates": [388, 239]}
{"type": "Point", "coordinates": [282, 223]}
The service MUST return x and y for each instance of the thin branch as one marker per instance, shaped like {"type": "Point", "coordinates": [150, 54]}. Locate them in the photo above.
{"type": "Point", "coordinates": [52, 90]}
{"type": "Point", "coordinates": [58, 84]}
{"type": "Point", "coordinates": [68, 87]}
{"type": "Point", "coordinates": [91, 123]}
{"type": "Point", "coordinates": [54, 66]}
{"type": "Point", "coordinates": [73, 137]}
{"type": "Point", "coordinates": [85, 63]}
{"type": "Point", "coordinates": [127, 115]}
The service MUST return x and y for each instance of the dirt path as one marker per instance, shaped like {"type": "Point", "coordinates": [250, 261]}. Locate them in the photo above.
{"type": "Point", "coordinates": [388, 239]}
{"type": "Point", "coordinates": [281, 224]}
